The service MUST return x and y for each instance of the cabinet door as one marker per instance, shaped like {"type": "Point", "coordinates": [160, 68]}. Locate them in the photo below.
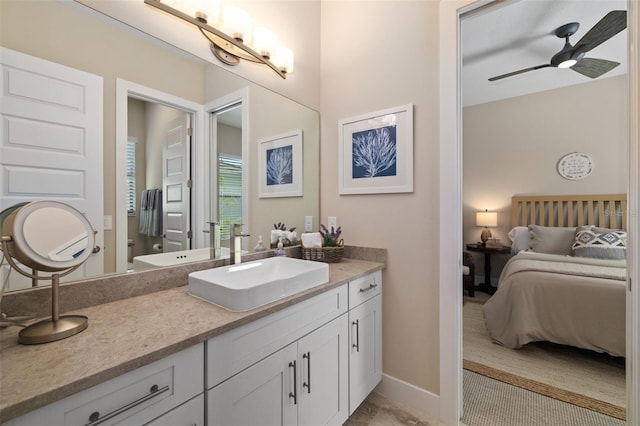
{"type": "Point", "coordinates": [263, 394]}
{"type": "Point", "coordinates": [323, 381]}
{"type": "Point", "coordinates": [365, 350]}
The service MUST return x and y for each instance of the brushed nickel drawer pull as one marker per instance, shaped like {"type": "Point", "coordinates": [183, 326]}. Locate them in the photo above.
{"type": "Point", "coordinates": [371, 287]}
{"type": "Point", "coordinates": [95, 419]}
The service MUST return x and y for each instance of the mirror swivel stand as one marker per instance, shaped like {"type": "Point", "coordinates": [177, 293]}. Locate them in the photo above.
{"type": "Point", "coordinates": [57, 327]}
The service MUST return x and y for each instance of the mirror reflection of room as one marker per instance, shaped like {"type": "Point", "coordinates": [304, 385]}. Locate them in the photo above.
{"type": "Point", "coordinates": [188, 79]}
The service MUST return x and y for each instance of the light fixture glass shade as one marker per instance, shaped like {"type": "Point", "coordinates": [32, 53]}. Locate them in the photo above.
{"type": "Point", "coordinates": [237, 24]}
{"type": "Point", "coordinates": [264, 41]}
{"type": "Point", "coordinates": [176, 4]}
{"type": "Point", "coordinates": [487, 219]}
{"type": "Point", "coordinates": [284, 59]}
{"type": "Point", "coordinates": [207, 11]}
{"type": "Point", "coordinates": [568, 63]}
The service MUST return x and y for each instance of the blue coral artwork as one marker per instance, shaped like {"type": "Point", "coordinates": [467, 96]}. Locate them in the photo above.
{"type": "Point", "coordinates": [279, 165]}
{"type": "Point", "coordinates": [374, 153]}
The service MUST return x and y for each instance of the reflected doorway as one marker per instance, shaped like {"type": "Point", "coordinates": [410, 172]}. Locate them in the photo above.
{"type": "Point", "coordinates": [158, 179]}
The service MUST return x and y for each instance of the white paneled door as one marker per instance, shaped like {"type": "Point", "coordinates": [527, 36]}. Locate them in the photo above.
{"type": "Point", "coordinates": [51, 147]}
{"type": "Point", "coordinates": [176, 188]}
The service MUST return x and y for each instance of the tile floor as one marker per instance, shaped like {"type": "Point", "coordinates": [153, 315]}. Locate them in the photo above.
{"type": "Point", "coordinates": [377, 410]}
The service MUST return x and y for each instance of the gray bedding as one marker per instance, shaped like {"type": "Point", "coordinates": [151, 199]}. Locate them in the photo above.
{"type": "Point", "coordinates": [561, 299]}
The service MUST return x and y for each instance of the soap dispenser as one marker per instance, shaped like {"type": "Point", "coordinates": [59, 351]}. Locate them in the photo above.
{"type": "Point", "coordinates": [260, 245]}
{"type": "Point", "coordinates": [279, 249]}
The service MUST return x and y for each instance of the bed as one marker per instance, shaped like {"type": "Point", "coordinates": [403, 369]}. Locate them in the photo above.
{"type": "Point", "coordinates": [566, 280]}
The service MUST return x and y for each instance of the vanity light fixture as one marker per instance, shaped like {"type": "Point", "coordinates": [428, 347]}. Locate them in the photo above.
{"type": "Point", "coordinates": [486, 219]}
{"type": "Point", "coordinates": [236, 39]}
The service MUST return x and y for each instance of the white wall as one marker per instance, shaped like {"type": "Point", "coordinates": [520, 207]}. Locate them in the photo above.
{"type": "Point", "coordinates": [376, 55]}
{"type": "Point", "coordinates": [513, 147]}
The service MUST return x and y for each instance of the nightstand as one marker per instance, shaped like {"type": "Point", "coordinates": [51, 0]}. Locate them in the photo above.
{"type": "Point", "coordinates": [487, 251]}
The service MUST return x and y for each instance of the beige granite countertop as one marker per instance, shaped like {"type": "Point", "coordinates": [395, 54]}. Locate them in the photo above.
{"type": "Point", "coordinates": [124, 335]}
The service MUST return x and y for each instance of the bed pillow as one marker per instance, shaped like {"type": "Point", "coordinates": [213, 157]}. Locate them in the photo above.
{"type": "Point", "coordinates": [520, 239]}
{"type": "Point", "coordinates": [599, 230]}
{"type": "Point", "coordinates": [550, 240]}
{"type": "Point", "coordinates": [606, 245]}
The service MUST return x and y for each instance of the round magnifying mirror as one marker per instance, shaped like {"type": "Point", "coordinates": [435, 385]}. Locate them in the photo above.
{"type": "Point", "coordinates": [48, 236]}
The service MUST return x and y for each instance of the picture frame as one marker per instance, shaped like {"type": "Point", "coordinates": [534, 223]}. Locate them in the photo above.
{"type": "Point", "coordinates": [280, 165]}
{"type": "Point", "coordinates": [375, 152]}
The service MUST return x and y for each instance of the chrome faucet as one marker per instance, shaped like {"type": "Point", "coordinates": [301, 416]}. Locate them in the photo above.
{"type": "Point", "coordinates": [236, 246]}
{"type": "Point", "coordinates": [214, 240]}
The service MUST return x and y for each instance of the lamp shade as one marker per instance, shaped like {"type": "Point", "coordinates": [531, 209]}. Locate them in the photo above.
{"type": "Point", "coordinates": [264, 41]}
{"type": "Point", "coordinates": [206, 11]}
{"type": "Point", "coordinates": [284, 59]}
{"type": "Point", "coordinates": [487, 219]}
{"type": "Point", "coordinates": [237, 24]}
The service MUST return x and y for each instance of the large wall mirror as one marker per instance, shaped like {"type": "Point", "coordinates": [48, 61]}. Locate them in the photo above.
{"type": "Point", "coordinates": [85, 40]}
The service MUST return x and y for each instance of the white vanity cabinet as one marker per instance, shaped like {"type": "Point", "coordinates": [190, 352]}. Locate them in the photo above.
{"type": "Point", "coordinates": [301, 384]}
{"type": "Point", "coordinates": [287, 368]}
{"type": "Point", "coordinates": [136, 398]}
{"type": "Point", "coordinates": [310, 363]}
{"type": "Point", "coordinates": [365, 339]}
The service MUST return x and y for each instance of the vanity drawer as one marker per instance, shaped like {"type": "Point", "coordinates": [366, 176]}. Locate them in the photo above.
{"type": "Point", "coordinates": [364, 288]}
{"type": "Point", "coordinates": [242, 347]}
{"type": "Point", "coordinates": [136, 397]}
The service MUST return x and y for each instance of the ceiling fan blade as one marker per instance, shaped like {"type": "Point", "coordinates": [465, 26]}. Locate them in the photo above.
{"type": "Point", "coordinates": [537, 67]}
{"type": "Point", "coordinates": [594, 68]}
{"type": "Point", "coordinates": [611, 24]}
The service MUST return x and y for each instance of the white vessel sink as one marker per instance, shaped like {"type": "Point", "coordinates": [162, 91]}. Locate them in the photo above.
{"type": "Point", "coordinates": [249, 285]}
{"type": "Point", "coordinates": [172, 258]}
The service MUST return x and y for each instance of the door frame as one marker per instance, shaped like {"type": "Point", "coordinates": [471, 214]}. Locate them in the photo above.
{"type": "Point", "coordinates": [451, 210]}
{"type": "Point", "coordinates": [240, 96]}
{"type": "Point", "coordinates": [124, 90]}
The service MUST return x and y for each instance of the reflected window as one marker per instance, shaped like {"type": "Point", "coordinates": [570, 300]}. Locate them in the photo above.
{"type": "Point", "coordinates": [229, 192]}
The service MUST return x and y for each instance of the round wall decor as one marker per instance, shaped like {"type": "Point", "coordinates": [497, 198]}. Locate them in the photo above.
{"type": "Point", "coordinates": [575, 165]}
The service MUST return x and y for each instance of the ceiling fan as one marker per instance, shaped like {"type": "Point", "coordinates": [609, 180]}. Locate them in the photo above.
{"type": "Point", "coordinates": [573, 56]}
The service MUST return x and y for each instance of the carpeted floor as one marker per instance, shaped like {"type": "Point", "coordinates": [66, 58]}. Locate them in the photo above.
{"type": "Point", "coordinates": [489, 402]}
{"type": "Point", "coordinates": [584, 378]}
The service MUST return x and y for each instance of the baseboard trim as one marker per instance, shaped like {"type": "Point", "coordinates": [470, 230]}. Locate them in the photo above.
{"type": "Point", "coordinates": [410, 395]}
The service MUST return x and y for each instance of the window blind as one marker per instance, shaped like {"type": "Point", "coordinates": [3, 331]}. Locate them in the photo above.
{"type": "Point", "coordinates": [229, 192]}
{"type": "Point", "coordinates": [131, 178]}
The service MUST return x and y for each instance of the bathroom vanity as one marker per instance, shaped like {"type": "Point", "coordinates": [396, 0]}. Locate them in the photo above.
{"type": "Point", "coordinates": [167, 358]}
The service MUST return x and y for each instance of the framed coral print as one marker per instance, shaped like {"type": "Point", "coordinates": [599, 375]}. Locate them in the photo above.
{"type": "Point", "coordinates": [280, 165]}
{"type": "Point", "coordinates": [376, 152]}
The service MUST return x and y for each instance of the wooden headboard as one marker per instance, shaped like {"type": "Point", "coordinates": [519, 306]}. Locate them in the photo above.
{"type": "Point", "coordinates": [607, 211]}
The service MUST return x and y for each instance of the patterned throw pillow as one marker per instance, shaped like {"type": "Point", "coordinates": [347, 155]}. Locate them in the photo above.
{"type": "Point", "coordinates": [608, 245]}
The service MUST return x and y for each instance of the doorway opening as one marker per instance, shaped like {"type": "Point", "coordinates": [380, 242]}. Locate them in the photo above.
{"type": "Point", "coordinates": [451, 208]}
{"type": "Point", "coordinates": [169, 169]}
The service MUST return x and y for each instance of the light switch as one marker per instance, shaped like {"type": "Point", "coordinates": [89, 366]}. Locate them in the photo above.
{"type": "Point", "coordinates": [108, 222]}
{"type": "Point", "coordinates": [308, 224]}
{"type": "Point", "coordinates": [332, 223]}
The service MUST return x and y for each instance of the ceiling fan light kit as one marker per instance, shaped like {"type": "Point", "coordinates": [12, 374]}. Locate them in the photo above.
{"type": "Point", "coordinates": [572, 56]}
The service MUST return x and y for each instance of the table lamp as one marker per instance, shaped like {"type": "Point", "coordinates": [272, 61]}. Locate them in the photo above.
{"type": "Point", "coordinates": [486, 219]}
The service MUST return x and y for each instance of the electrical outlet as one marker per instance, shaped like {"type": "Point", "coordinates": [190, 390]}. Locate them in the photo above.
{"type": "Point", "coordinates": [308, 224]}
{"type": "Point", "coordinates": [332, 223]}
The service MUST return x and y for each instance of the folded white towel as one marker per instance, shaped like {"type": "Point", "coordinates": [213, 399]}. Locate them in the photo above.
{"type": "Point", "coordinates": [311, 240]}
{"type": "Point", "coordinates": [276, 234]}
